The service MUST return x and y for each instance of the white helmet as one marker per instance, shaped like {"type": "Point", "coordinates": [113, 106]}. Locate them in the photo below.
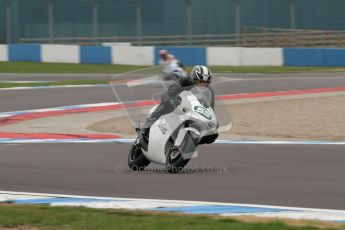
{"type": "Point", "coordinates": [201, 74]}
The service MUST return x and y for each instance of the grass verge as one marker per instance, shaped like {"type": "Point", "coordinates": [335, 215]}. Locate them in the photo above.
{"type": "Point", "coordinates": [34, 67]}
{"type": "Point", "coordinates": [43, 217]}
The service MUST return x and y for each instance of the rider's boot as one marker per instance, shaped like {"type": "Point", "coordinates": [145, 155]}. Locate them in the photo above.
{"type": "Point", "coordinates": [144, 131]}
{"type": "Point", "coordinates": [143, 135]}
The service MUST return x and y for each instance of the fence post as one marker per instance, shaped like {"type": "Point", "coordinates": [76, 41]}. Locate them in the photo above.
{"type": "Point", "coordinates": [50, 21]}
{"type": "Point", "coordinates": [8, 21]}
{"type": "Point", "coordinates": [95, 19]}
{"type": "Point", "coordinates": [238, 21]}
{"type": "Point", "coordinates": [189, 21]}
{"type": "Point", "coordinates": [139, 22]}
{"type": "Point", "coordinates": [292, 22]}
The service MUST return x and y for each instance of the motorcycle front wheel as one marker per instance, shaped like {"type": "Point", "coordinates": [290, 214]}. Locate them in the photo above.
{"type": "Point", "coordinates": [175, 161]}
{"type": "Point", "coordinates": [136, 158]}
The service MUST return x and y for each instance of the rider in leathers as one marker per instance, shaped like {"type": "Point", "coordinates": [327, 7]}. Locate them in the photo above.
{"type": "Point", "coordinates": [200, 75]}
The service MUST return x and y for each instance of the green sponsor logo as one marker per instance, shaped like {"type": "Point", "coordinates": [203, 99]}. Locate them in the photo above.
{"type": "Point", "coordinates": [203, 112]}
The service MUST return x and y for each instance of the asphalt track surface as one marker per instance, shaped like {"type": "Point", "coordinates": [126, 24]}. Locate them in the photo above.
{"type": "Point", "coordinates": [289, 175]}
{"type": "Point", "coordinates": [239, 83]}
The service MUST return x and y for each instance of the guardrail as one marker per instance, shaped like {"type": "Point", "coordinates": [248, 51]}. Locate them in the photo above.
{"type": "Point", "coordinates": [257, 37]}
{"type": "Point", "coordinates": [297, 37]}
{"type": "Point", "coordinates": [171, 40]}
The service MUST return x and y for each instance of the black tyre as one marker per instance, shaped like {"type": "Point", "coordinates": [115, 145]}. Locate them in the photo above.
{"type": "Point", "coordinates": [136, 158]}
{"type": "Point", "coordinates": [175, 162]}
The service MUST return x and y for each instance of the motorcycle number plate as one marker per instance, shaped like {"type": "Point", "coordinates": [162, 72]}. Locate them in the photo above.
{"type": "Point", "coordinates": [203, 112]}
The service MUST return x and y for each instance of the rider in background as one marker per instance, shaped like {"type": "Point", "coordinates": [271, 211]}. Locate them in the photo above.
{"type": "Point", "coordinates": [165, 57]}
{"type": "Point", "coordinates": [169, 62]}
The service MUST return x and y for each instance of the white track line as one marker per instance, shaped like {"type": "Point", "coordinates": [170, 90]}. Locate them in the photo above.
{"type": "Point", "coordinates": [177, 201]}
{"type": "Point", "coordinates": [129, 141]}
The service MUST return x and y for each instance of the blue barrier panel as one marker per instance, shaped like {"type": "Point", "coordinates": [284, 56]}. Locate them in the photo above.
{"type": "Point", "coordinates": [188, 56]}
{"type": "Point", "coordinates": [314, 57]}
{"type": "Point", "coordinates": [30, 52]}
{"type": "Point", "coordinates": [95, 55]}
{"type": "Point", "coordinates": [334, 57]}
{"type": "Point", "coordinates": [303, 57]}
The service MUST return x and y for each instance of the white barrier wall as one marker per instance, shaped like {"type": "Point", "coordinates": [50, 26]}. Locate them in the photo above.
{"type": "Point", "coordinates": [144, 55]}
{"type": "Point", "coordinates": [3, 53]}
{"type": "Point", "coordinates": [60, 53]}
{"type": "Point", "coordinates": [236, 56]}
{"type": "Point", "coordinates": [132, 55]}
{"type": "Point", "coordinates": [223, 56]}
{"type": "Point", "coordinates": [261, 56]}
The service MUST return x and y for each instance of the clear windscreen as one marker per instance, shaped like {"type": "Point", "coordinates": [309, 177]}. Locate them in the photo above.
{"type": "Point", "coordinates": [139, 91]}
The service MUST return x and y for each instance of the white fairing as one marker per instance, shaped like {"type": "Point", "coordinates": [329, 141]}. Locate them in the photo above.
{"type": "Point", "coordinates": [164, 128]}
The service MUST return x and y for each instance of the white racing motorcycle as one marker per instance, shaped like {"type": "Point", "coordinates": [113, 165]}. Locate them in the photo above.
{"type": "Point", "coordinates": [174, 137]}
